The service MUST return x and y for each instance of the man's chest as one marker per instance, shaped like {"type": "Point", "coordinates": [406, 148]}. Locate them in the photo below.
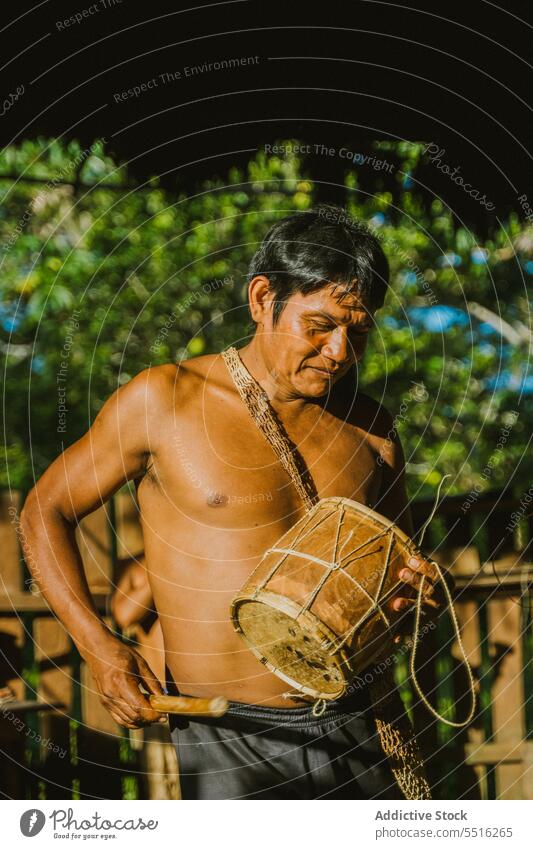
{"type": "Point", "coordinates": [214, 464]}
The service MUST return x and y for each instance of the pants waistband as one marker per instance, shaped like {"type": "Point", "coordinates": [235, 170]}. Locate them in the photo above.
{"type": "Point", "coordinates": [300, 717]}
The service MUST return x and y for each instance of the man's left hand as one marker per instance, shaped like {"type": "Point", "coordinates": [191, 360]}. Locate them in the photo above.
{"type": "Point", "coordinates": [433, 594]}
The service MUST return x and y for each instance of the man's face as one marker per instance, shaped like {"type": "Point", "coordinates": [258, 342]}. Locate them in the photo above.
{"type": "Point", "coordinates": [317, 339]}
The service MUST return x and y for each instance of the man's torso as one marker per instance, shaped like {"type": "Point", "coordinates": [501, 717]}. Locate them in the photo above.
{"type": "Point", "coordinates": [215, 498]}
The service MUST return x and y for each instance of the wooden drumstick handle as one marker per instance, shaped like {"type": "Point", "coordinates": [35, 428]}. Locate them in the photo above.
{"type": "Point", "coordinates": [188, 705]}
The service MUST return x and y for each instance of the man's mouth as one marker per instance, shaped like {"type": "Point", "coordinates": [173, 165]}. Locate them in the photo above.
{"type": "Point", "coordinates": [325, 371]}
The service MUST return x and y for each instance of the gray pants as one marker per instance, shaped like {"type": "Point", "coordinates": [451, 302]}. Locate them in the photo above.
{"type": "Point", "coordinates": [254, 752]}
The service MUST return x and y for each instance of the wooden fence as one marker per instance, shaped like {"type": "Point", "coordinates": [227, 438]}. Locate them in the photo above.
{"type": "Point", "coordinates": [59, 742]}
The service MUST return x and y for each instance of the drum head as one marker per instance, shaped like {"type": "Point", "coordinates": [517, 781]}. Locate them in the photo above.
{"type": "Point", "coordinates": [295, 651]}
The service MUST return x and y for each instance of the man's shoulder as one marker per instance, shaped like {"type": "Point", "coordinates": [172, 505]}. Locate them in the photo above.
{"type": "Point", "coordinates": [152, 384]}
{"type": "Point", "coordinates": [172, 381]}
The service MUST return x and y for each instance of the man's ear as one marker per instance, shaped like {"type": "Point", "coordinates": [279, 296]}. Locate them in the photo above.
{"type": "Point", "coordinates": [260, 298]}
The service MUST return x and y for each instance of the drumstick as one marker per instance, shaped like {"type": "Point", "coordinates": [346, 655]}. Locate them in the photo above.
{"type": "Point", "coordinates": [187, 705]}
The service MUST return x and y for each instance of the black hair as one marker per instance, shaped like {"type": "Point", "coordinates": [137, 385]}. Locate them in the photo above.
{"type": "Point", "coordinates": [307, 250]}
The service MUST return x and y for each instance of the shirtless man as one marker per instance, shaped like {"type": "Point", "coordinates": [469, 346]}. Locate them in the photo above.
{"type": "Point", "coordinates": [213, 498]}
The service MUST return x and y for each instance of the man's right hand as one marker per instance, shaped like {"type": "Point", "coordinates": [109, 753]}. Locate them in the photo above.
{"type": "Point", "coordinates": [117, 673]}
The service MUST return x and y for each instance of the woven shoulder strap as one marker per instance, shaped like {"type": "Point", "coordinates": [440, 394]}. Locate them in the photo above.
{"type": "Point", "coordinates": [396, 733]}
{"type": "Point", "coordinates": [258, 405]}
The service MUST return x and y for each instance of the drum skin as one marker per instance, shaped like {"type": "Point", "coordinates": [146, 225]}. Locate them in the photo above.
{"type": "Point", "coordinates": [314, 610]}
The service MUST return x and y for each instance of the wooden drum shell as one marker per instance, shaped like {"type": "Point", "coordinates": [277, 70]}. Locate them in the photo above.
{"type": "Point", "coordinates": [313, 611]}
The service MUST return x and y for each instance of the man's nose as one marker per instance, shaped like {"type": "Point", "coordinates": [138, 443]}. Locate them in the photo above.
{"type": "Point", "coordinates": [337, 348]}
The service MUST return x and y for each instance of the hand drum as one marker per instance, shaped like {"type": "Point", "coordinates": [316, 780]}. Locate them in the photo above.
{"type": "Point", "coordinates": [314, 609]}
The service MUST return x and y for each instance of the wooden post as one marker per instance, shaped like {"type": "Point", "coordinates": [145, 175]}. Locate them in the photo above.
{"type": "Point", "coordinates": [75, 720]}
{"type": "Point", "coordinates": [30, 676]}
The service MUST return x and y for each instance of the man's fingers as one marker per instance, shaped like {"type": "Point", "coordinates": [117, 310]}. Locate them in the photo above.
{"type": "Point", "coordinates": [400, 604]}
{"type": "Point", "coordinates": [120, 720]}
{"type": "Point", "coordinates": [403, 604]}
{"type": "Point", "coordinates": [131, 705]}
{"type": "Point", "coordinates": [117, 678]}
{"type": "Point", "coordinates": [134, 714]}
{"type": "Point", "coordinates": [424, 567]}
{"type": "Point", "coordinates": [414, 578]}
{"type": "Point", "coordinates": [148, 678]}
{"type": "Point", "coordinates": [139, 704]}
{"type": "Point", "coordinates": [118, 712]}
{"type": "Point", "coordinates": [121, 708]}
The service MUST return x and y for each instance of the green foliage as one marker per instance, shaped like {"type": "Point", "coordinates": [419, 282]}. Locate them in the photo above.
{"type": "Point", "coordinates": [99, 281]}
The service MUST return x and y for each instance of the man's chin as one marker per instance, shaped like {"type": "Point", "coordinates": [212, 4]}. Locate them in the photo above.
{"type": "Point", "coordinates": [317, 384]}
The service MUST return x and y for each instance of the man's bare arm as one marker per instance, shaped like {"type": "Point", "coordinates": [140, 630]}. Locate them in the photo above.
{"type": "Point", "coordinates": [81, 479]}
